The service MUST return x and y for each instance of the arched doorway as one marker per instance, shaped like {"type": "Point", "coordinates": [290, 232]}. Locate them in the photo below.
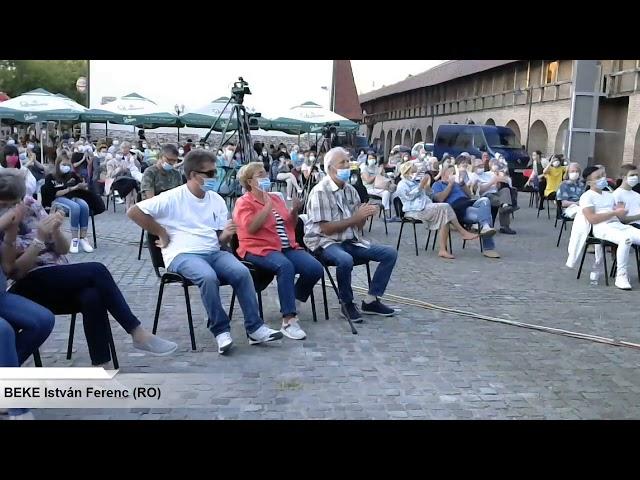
{"type": "Point", "coordinates": [407, 139]}
{"type": "Point", "coordinates": [538, 137]}
{"type": "Point", "coordinates": [417, 137]}
{"type": "Point", "coordinates": [513, 125]}
{"type": "Point", "coordinates": [398, 138]}
{"type": "Point", "coordinates": [428, 138]}
{"type": "Point", "coordinates": [490, 121]}
{"type": "Point", "coordinates": [636, 149]}
{"type": "Point", "coordinates": [383, 145]}
{"type": "Point", "coordinates": [562, 138]}
{"type": "Point", "coordinates": [388, 144]}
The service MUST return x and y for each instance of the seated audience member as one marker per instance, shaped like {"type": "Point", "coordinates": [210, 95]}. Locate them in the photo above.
{"type": "Point", "coordinates": [536, 180]}
{"type": "Point", "coordinates": [417, 204]}
{"type": "Point", "coordinates": [24, 325]}
{"type": "Point", "coordinates": [267, 238]}
{"type": "Point", "coordinates": [458, 195]}
{"type": "Point", "coordinates": [120, 179]}
{"type": "Point", "coordinates": [377, 183]}
{"type": "Point", "coordinates": [553, 174]}
{"type": "Point", "coordinates": [191, 223]}
{"type": "Point", "coordinates": [43, 274]}
{"type": "Point", "coordinates": [626, 197]}
{"type": "Point", "coordinates": [335, 214]}
{"type": "Point", "coordinates": [59, 192]}
{"type": "Point", "coordinates": [162, 175]}
{"type": "Point", "coordinates": [309, 169]}
{"type": "Point", "coordinates": [282, 170]}
{"type": "Point", "coordinates": [600, 209]}
{"type": "Point", "coordinates": [494, 185]}
{"type": "Point", "coordinates": [570, 191]}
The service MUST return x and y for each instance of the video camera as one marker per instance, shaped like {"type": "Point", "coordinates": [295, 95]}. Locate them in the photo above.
{"type": "Point", "coordinates": [239, 90]}
{"type": "Point", "coordinates": [329, 129]}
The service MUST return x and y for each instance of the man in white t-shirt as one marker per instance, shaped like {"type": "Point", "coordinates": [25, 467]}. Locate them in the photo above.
{"type": "Point", "coordinates": [495, 185]}
{"type": "Point", "coordinates": [600, 209]}
{"type": "Point", "coordinates": [191, 223]}
{"type": "Point", "coordinates": [626, 197]}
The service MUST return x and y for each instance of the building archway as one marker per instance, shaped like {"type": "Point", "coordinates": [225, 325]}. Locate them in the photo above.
{"type": "Point", "coordinates": [398, 138]}
{"type": "Point", "coordinates": [387, 144]}
{"type": "Point", "coordinates": [383, 145]}
{"type": "Point", "coordinates": [407, 139]}
{"type": "Point", "coordinates": [417, 137]}
{"type": "Point", "coordinates": [428, 138]}
{"type": "Point", "coordinates": [562, 138]}
{"type": "Point", "coordinates": [636, 149]}
{"type": "Point", "coordinates": [513, 125]}
{"type": "Point", "coordinates": [538, 137]}
{"type": "Point", "coordinates": [490, 121]}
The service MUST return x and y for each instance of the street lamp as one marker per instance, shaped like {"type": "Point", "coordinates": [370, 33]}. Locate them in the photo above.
{"type": "Point", "coordinates": [529, 92]}
{"type": "Point", "coordinates": [179, 110]}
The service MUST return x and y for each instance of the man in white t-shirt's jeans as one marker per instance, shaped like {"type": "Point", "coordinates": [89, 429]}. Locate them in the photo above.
{"type": "Point", "coordinates": [600, 209]}
{"type": "Point", "coordinates": [191, 223]}
{"type": "Point", "coordinates": [626, 197]}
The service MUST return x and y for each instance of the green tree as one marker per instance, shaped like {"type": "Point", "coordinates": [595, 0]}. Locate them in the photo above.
{"type": "Point", "coordinates": [56, 76]}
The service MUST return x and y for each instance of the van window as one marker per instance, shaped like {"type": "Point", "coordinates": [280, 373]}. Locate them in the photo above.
{"type": "Point", "coordinates": [502, 139]}
{"type": "Point", "coordinates": [464, 140]}
{"type": "Point", "coordinates": [478, 140]}
{"type": "Point", "coordinates": [447, 138]}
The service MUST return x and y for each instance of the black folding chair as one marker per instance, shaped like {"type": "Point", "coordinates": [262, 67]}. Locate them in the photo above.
{"type": "Point", "coordinates": [167, 278]}
{"type": "Point", "coordinates": [561, 216]}
{"type": "Point", "coordinates": [470, 226]}
{"type": "Point", "coordinates": [548, 208]}
{"type": "Point", "coordinates": [405, 219]}
{"type": "Point", "coordinates": [435, 237]}
{"type": "Point", "coordinates": [325, 266]}
{"type": "Point", "coordinates": [378, 198]}
{"type": "Point", "coordinates": [591, 240]}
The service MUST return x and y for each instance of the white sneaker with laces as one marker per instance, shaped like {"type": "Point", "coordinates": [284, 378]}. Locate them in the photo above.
{"type": "Point", "coordinates": [622, 282]}
{"type": "Point", "coordinates": [224, 342]}
{"type": "Point", "coordinates": [263, 335]}
{"type": "Point", "coordinates": [292, 330]}
{"type": "Point", "coordinates": [74, 246]}
{"type": "Point", "coordinates": [487, 231]}
{"type": "Point", "coordinates": [86, 247]}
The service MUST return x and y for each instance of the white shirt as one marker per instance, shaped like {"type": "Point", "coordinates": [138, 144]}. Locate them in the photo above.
{"type": "Point", "coordinates": [191, 222]}
{"type": "Point", "coordinates": [602, 203]}
{"type": "Point", "coordinates": [630, 199]}
{"type": "Point", "coordinates": [483, 179]}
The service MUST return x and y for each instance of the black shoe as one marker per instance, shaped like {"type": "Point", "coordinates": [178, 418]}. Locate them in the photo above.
{"type": "Point", "coordinates": [507, 209]}
{"type": "Point", "coordinates": [350, 311]}
{"type": "Point", "coordinates": [377, 308]}
{"type": "Point", "coordinates": [507, 231]}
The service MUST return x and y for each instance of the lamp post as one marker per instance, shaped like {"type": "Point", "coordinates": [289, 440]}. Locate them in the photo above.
{"type": "Point", "coordinates": [179, 110]}
{"type": "Point", "coordinates": [529, 91]}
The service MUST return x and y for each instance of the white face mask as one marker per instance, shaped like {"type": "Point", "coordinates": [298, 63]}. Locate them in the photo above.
{"type": "Point", "coordinates": [632, 180]}
{"type": "Point", "coordinates": [181, 151]}
{"type": "Point", "coordinates": [556, 163]}
{"type": "Point", "coordinates": [312, 158]}
{"type": "Point", "coordinates": [479, 170]}
{"type": "Point", "coordinates": [371, 162]}
{"type": "Point", "coordinates": [574, 176]}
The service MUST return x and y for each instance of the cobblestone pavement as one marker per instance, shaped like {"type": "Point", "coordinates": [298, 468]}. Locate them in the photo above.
{"type": "Point", "coordinates": [421, 364]}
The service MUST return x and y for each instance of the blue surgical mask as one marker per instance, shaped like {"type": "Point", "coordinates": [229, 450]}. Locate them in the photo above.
{"type": "Point", "coordinates": [210, 185]}
{"type": "Point", "coordinates": [167, 166]}
{"type": "Point", "coordinates": [264, 184]}
{"type": "Point", "coordinates": [344, 174]}
{"type": "Point", "coordinates": [602, 183]}
{"type": "Point", "coordinates": [64, 169]}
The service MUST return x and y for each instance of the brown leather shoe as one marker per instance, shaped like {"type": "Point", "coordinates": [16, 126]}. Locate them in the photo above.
{"type": "Point", "coordinates": [491, 254]}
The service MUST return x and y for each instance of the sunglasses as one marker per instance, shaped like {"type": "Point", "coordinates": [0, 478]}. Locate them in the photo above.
{"type": "Point", "coordinates": [208, 173]}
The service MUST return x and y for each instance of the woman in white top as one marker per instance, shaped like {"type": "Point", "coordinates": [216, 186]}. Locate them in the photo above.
{"type": "Point", "coordinates": [371, 170]}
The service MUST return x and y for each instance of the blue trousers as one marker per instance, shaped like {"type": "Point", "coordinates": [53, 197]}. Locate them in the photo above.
{"type": "Point", "coordinates": [76, 208]}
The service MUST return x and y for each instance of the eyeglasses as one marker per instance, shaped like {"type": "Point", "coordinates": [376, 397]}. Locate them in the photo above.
{"type": "Point", "coordinates": [208, 173]}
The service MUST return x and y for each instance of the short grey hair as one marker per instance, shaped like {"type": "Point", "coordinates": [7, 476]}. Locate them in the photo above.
{"type": "Point", "coordinates": [12, 184]}
{"type": "Point", "coordinates": [332, 155]}
{"type": "Point", "coordinates": [195, 160]}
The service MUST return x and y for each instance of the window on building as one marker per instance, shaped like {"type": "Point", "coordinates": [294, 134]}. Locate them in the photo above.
{"type": "Point", "coordinates": [551, 71]}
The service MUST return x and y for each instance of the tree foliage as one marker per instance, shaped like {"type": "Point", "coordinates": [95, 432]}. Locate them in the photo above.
{"type": "Point", "coordinates": [56, 76]}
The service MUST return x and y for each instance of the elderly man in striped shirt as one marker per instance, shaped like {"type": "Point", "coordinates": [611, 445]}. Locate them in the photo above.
{"type": "Point", "coordinates": [335, 215]}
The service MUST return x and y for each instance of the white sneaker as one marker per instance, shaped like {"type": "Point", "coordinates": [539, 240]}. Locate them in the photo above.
{"type": "Point", "coordinates": [85, 245]}
{"type": "Point", "coordinates": [263, 335]}
{"type": "Point", "coordinates": [292, 330]}
{"type": "Point", "coordinates": [74, 246]}
{"type": "Point", "coordinates": [622, 282]}
{"type": "Point", "coordinates": [224, 342]}
{"type": "Point", "coordinates": [156, 346]}
{"type": "Point", "coordinates": [289, 199]}
{"type": "Point", "coordinates": [487, 231]}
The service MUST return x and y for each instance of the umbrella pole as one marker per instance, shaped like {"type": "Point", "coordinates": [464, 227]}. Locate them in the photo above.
{"type": "Point", "coordinates": [298, 139]}
{"type": "Point", "coordinates": [106, 131]}
{"type": "Point", "coordinates": [43, 135]}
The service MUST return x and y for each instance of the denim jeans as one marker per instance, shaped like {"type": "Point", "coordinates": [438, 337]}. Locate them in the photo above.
{"type": "Point", "coordinates": [285, 265]}
{"type": "Point", "coordinates": [206, 270]}
{"type": "Point", "coordinates": [480, 212]}
{"type": "Point", "coordinates": [87, 288]}
{"type": "Point", "coordinates": [77, 209]}
{"type": "Point", "coordinates": [344, 255]}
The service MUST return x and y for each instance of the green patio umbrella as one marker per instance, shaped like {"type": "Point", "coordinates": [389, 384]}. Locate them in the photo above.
{"type": "Point", "coordinates": [40, 106]}
{"type": "Point", "coordinates": [215, 111]}
{"type": "Point", "coordinates": [135, 110]}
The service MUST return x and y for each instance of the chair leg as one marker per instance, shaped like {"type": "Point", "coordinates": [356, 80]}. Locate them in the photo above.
{"type": "Point", "coordinates": [141, 243]}
{"type": "Point", "coordinates": [370, 223]}
{"type": "Point", "coordinates": [426, 245]}
{"type": "Point", "coordinates": [72, 328]}
{"type": "Point", "coordinates": [384, 217]}
{"type": "Point", "coordinates": [613, 268]}
{"type": "Point", "coordinates": [233, 301]}
{"type": "Point", "coordinates": [313, 307]}
{"type": "Point", "coordinates": [368, 274]}
{"type": "Point", "coordinates": [450, 245]}
{"type": "Point", "coordinates": [335, 288]}
{"type": "Point", "coordinates": [548, 211]}
{"type": "Point", "coordinates": [562, 226]}
{"type": "Point", "coordinates": [37, 361]}
{"type": "Point", "coordinates": [435, 237]}
{"type": "Point", "coordinates": [93, 230]}
{"type": "Point", "coordinates": [189, 317]}
{"type": "Point", "coordinates": [159, 302]}
{"type": "Point", "coordinates": [260, 305]}
{"type": "Point", "coordinates": [324, 299]}
{"type": "Point", "coordinates": [415, 238]}
{"type": "Point", "coordinates": [584, 254]}
{"type": "Point", "coordinates": [400, 236]}
{"type": "Point", "coordinates": [606, 271]}
{"type": "Point", "coordinates": [112, 348]}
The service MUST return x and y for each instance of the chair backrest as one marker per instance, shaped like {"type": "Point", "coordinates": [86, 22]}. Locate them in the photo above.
{"type": "Point", "coordinates": [300, 233]}
{"type": "Point", "coordinates": [559, 209]}
{"type": "Point", "coordinates": [156, 253]}
{"type": "Point", "coordinates": [398, 205]}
